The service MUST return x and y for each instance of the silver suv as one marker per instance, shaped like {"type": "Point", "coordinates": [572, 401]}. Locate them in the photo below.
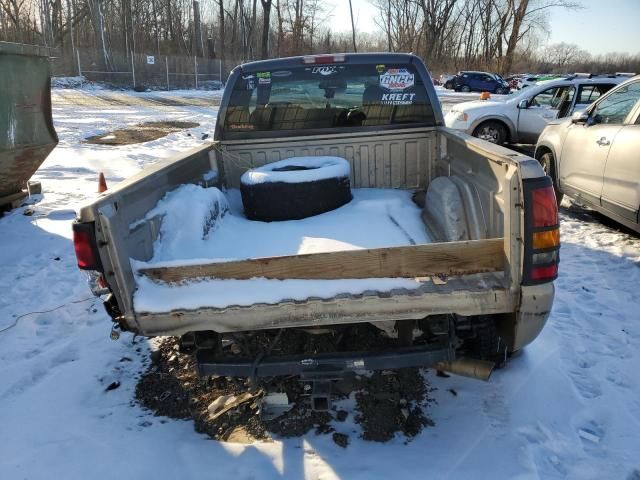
{"type": "Point", "coordinates": [594, 157]}
{"type": "Point", "coordinates": [521, 117]}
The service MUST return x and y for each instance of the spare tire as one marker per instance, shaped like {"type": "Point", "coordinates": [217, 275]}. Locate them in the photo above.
{"type": "Point", "coordinates": [295, 188]}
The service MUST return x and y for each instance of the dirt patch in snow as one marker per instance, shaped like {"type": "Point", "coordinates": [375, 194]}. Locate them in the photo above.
{"type": "Point", "coordinates": [144, 132]}
{"type": "Point", "coordinates": [388, 402]}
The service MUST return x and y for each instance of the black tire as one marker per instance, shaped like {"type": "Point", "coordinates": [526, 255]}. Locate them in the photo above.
{"type": "Point", "coordinates": [492, 131]}
{"type": "Point", "coordinates": [482, 340]}
{"type": "Point", "coordinates": [548, 163]}
{"type": "Point", "coordinates": [448, 85]}
{"type": "Point", "coordinates": [279, 200]}
{"type": "Point", "coordinates": [500, 91]}
{"type": "Point", "coordinates": [465, 89]}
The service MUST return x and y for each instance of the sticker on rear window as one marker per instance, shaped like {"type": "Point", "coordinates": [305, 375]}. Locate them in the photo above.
{"type": "Point", "coordinates": [380, 69]}
{"type": "Point", "coordinates": [325, 70]}
{"type": "Point", "coordinates": [264, 78]}
{"type": "Point", "coordinates": [281, 73]}
{"type": "Point", "coordinates": [396, 79]}
{"type": "Point", "coordinates": [398, 98]}
{"type": "Point", "coordinates": [241, 126]}
{"type": "Point", "coordinates": [250, 82]}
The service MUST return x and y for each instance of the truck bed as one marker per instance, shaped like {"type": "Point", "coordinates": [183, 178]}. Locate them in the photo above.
{"type": "Point", "coordinates": [478, 179]}
{"type": "Point", "coordinates": [374, 218]}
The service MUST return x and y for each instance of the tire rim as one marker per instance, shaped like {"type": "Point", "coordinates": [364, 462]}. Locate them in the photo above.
{"type": "Point", "coordinates": [545, 166]}
{"type": "Point", "coordinates": [490, 134]}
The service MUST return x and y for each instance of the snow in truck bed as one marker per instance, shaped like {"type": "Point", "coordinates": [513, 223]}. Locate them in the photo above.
{"type": "Point", "coordinates": [213, 229]}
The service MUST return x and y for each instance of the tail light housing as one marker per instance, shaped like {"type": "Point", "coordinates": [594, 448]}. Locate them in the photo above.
{"type": "Point", "coordinates": [86, 247]}
{"type": "Point", "coordinates": [541, 232]}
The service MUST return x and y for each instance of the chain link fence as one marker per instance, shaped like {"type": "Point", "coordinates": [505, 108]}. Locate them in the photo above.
{"type": "Point", "coordinates": [142, 71]}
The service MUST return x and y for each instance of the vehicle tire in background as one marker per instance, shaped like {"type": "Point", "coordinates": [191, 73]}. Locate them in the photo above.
{"type": "Point", "coordinates": [448, 85]}
{"type": "Point", "coordinates": [491, 131]}
{"type": "Point", "coordinates": [465, 89]}
{"type": "Point", "coordinates": [500, 91]}
{"type": "Point", "coordinates": [549, 166]}
{"type": "Point", "coordinates": [295, 188]}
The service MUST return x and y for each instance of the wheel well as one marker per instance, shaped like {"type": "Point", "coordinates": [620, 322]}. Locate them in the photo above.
{"type": "Point", "coordinates": [540, 151]}
{"type": "Point", "coordinates": [495, 120]}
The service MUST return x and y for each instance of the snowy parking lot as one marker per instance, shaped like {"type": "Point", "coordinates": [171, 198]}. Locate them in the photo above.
{"type": "Point", "coordinates": [568, 406]}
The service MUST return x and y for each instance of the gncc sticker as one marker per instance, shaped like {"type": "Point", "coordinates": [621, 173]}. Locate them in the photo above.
{"type": "Point", "coordinates": [396, 79]}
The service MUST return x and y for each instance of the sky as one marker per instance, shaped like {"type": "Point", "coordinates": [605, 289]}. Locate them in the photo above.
{"type": "Point", "coordinates": [601, 26]}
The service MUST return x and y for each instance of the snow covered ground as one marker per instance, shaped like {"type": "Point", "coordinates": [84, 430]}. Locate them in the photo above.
{"type": "Point", "coordinates": [567, 407]}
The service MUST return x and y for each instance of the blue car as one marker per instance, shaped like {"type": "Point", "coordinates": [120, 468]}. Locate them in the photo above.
{"type": "Point", "coordinates": [469, 81]}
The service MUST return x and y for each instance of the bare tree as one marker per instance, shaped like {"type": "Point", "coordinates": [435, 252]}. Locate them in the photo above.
{"type": "Point", "coordinates": [266, 19]}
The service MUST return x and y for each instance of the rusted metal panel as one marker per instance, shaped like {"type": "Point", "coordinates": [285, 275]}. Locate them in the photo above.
{"type": "Point", "coordinates": [27, 135]}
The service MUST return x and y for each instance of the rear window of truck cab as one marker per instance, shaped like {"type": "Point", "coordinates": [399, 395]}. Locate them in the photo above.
{"type": "Point", "coordinates": [319, 97]}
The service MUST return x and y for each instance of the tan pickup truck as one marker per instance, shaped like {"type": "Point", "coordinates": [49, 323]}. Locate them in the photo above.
{"type": "Point", "coordinates": [479, 288]}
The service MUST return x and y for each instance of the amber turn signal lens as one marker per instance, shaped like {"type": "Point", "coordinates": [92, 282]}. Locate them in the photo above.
{"type": "Point", "coordinates": [548, 239]}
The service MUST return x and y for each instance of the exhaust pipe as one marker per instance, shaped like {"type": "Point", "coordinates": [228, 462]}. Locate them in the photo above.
{"type": "Point", "coordinates": [468, 367]}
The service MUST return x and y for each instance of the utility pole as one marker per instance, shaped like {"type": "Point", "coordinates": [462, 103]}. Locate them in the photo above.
{"type": "Point", "coordinates": [353, 29]}
{"type": "Point", "coordinates": [73, 43]}
{"type": "Point", "coordinates": [389, 25]}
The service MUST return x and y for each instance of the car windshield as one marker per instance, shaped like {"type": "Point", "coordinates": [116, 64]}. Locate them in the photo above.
{"type": "Point", "coordinates": [328, 96]}
{"type": "Point", "coordinates": [527, 92]}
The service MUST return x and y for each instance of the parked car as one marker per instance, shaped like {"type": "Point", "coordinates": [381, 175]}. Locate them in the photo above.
{"type": "Point", "coordinates": [446, 81]}
{"type": "Point", "coordinates": [469, 81]}
{"type": "Point", "coordinates": [381, 114]}
{"type": "Point", "coordinates": [512, 80]}
{"type": "Point", "coordinates": [594, 158]}
{"type": "Point", "coordinates": [211, 85]}
{"type": "Point", "coordinates": [522, 117]}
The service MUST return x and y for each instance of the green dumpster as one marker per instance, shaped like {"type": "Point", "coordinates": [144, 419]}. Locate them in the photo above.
{"type": "Point", "coordinates": [27, 135]}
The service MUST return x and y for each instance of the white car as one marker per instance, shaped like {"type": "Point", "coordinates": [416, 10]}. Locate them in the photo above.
{"type": "Point", "coordinates": [527, 81]}
{"type": "Point", "coordinates": [521, 117]}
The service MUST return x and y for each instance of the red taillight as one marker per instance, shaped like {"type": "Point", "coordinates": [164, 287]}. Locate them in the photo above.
{"type": "Point", "coordinates": [549, 272]}
{"type": "Point", "coordinates": [545, 207]}
{"type": "Point", "coordinates": [85, 246]}
{"type": "Point", "coordinates": [84, 252]}
{"type": "Point", "coordinates": [323, 59]}
{"type": "Point", "coordinates": [542, 232]}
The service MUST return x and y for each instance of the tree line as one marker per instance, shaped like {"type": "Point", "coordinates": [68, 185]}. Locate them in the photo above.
{"type": "Point", "coordinates": [496, 35]}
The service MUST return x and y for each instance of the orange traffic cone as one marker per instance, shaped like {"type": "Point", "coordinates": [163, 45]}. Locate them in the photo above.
{"type": "Point", "coordinates": [102, 183]}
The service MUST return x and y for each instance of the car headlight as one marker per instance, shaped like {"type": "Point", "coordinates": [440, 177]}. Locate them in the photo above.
{"type": "Point", "coordinates": [459, 116]}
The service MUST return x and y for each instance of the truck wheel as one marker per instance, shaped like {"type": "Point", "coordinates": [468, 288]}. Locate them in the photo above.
{"type": "Point", "coordinates": [486, 343]}
{"type": "Point", "coordinates": [448, 85]}
{"type": "Point", "coordinates": [295, 188]}
{"type": "Point", "coordinates": [500, 91]}
{"type": "Point", "coordinates": [549, 166]}
{"type": "Point", "coordinates": [494, 132]}
{"type": "Point", "coordinates": [465, 89]}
